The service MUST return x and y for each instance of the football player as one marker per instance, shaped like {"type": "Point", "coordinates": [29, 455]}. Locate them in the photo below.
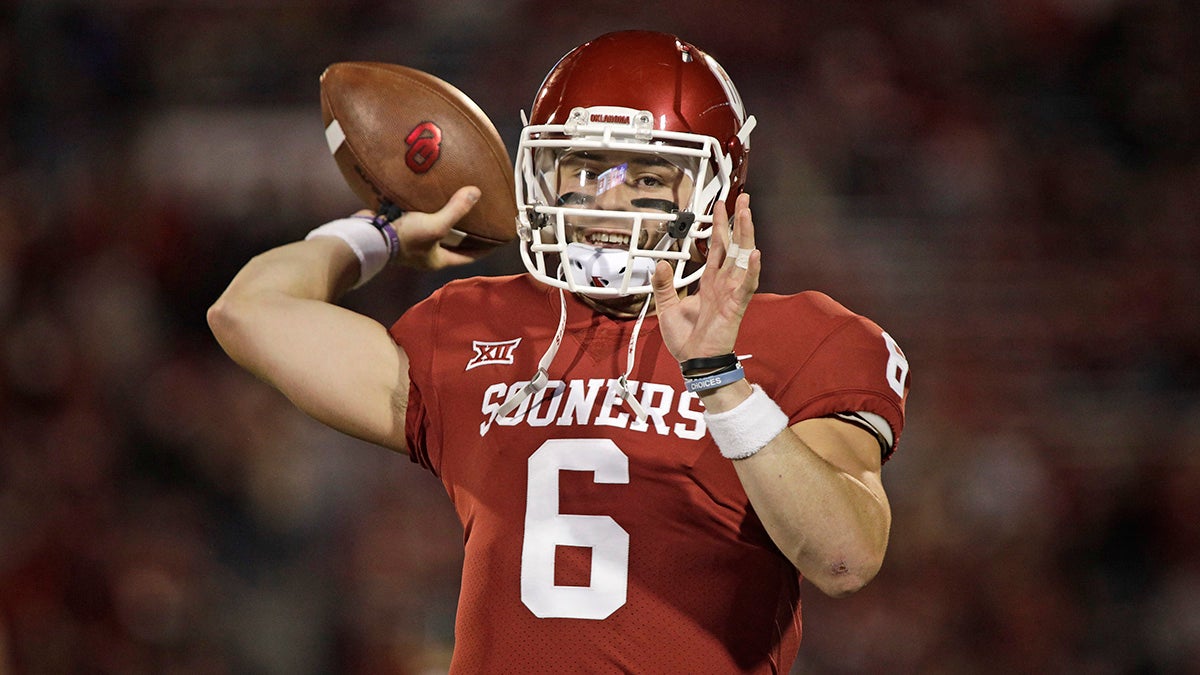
{"type": "Point", "coordinates": [647, 457]}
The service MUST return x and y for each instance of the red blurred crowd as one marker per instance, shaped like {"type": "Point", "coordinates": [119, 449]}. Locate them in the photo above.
{"type": "Point", "coordinates": [1010, 189]}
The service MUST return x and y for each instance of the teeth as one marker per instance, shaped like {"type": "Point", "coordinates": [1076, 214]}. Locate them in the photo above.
{"type": "Point", "coordinates": [609, 238]}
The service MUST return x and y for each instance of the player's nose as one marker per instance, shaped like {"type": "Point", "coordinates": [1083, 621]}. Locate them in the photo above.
{"type": "Point", "coordinates": [615, 198]}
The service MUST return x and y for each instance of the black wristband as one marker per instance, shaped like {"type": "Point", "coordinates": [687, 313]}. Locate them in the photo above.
{"type": "Point", "coordinates": [710, 373]}
{"type": "Point", "coordinates": [707, 363]}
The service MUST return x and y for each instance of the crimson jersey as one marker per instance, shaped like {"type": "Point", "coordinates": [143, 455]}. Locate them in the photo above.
{"type": "Point", "coordinates": [597, 543]}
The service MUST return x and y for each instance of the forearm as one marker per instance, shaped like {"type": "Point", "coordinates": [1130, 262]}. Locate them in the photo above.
{"type": "Point", "coordinates": [831, 518]}
{"type": "Point", "coordinates": [321, 268]}
{"type": "Point", "coordinates": [831, 525]}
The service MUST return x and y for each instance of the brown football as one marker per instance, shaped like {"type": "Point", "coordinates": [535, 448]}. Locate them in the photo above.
{"type": "Point", "coordinates": [404, 137]}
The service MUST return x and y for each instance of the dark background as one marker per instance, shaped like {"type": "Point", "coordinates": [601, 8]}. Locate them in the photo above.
{"type": "Point", "coordinates": [1009, 188]}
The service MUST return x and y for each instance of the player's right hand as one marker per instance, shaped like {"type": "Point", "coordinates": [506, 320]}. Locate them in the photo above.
{"type": "Point", "coordinates": [706, 323]}
{"type": "Point", "coordinates": [419, 233]}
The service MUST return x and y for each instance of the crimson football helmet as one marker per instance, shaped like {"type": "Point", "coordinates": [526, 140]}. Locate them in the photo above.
{"type": "Point", "coordinates": [632, 140]}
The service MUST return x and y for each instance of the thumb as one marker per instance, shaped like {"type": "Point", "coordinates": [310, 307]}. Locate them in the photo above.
{"type": "Point", "coordinates": [664, 289]}
{"type": "Point", "coordinates": [450, 213]}
{"type": "Point", "coordinates": [462, 201]}
{"type": "Point", "coordinates": [423, 228]}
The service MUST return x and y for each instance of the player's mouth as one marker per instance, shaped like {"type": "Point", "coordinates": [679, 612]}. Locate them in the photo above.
{"type": "Point", "coordinates": [606, 238]}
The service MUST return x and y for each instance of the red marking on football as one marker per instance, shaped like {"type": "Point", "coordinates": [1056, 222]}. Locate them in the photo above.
{"type": "Point", "coordinates": [403, 136]}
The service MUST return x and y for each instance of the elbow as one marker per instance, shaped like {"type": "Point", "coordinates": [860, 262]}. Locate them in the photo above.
{"type": "Point", "coordinates": [220, 318]}
{"type": "Point", "coordinates": [840, 579]}
{"type": "Point", "coordinates": [839, 565]}
{"type": "Point", "coordinates": [843, 574]}
{"type": "Point", "coordinates": [225, 320]}
{"type": "Point", "coordinates": [843, 565]}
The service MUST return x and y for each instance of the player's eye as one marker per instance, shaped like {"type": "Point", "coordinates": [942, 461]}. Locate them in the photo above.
{"type": "Point", "coordinates": [584, 176]}
{"type": "Point", "coordinates": [575, 199]}
{"type": "Point", "coordinates": [649, 181]}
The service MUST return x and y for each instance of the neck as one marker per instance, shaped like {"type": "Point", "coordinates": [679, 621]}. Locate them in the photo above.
{"type": "Point", "coordinates": [627, 307]}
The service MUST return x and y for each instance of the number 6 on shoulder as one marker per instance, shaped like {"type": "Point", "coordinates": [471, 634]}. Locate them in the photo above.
{"type": "Point", "coordinates": [897, 365]}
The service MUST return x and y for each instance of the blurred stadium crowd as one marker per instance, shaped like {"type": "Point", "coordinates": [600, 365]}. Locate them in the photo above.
{"type": "Point", "coordinates": [1010, 188]}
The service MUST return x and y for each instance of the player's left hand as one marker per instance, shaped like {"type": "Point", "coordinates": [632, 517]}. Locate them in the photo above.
{"type": "Point", "coordinates": [706, 324]}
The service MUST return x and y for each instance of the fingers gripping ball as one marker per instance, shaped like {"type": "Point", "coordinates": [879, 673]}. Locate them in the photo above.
{"type": "Point", "coordinates": [404, 138]}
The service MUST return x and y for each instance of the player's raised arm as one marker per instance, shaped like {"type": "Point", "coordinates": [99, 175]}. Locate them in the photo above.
{"type": "Point", "coordinates": [816, 484]}
{"type": "Point", "coordinates": [278, 321]}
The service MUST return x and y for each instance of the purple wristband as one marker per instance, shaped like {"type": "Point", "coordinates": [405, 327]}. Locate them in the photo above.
{"type": "Point", "coordinates": [386, 229]}
{"type": "Point", "coordinates": [393, 239]}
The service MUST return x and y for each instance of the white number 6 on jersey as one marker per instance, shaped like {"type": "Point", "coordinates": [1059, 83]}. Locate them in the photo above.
{"type": "Point", "coordinates": [546, 529]}
{"type": "Point", "coordinates": [897, 365]}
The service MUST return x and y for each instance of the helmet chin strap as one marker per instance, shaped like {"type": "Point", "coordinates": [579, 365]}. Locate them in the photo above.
{"type": "Point", "coordinates": [605, 267]}
{"type": "Point", "coordinates": [622, 387]}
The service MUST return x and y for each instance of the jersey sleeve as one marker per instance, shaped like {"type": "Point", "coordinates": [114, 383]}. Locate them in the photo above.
{"type": "Point", "coordinates": [857, 367]}
{"type": "Point", "coordinates": [414, 332]}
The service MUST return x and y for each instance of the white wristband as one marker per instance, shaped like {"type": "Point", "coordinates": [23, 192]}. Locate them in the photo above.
{"type": "Point", "coordinates": [744, 430]}
{"type": "Point", "coordinates": [370, 245]}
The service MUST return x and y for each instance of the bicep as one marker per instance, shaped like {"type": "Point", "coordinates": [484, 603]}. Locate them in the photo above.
{"type": "Point", "coordinates": [848, 448]}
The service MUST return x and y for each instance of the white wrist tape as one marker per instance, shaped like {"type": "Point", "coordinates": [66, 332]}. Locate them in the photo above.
{"type": "Point", "coordinates": [744, 430]}
{"type": "Point", "coordinates": [369, 244]}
